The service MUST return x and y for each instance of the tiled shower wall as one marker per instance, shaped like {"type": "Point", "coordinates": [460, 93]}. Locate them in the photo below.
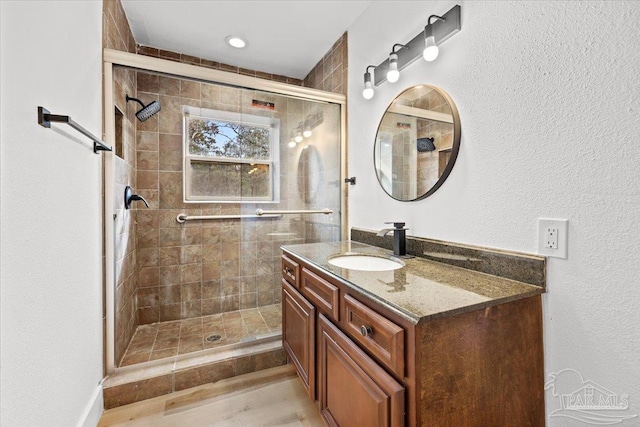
{"type": "Point", "coordinates": [117, 35]}
{"type": "Point", "coordinates": [329, 74]}
{"type": "Point", "coordinates": [206, 267]}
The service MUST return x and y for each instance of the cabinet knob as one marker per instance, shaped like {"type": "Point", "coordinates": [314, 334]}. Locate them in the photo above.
{"type": "Point", "coordinates": [288, 271]}
{"type": "Point", "coordinates": [365, 330]}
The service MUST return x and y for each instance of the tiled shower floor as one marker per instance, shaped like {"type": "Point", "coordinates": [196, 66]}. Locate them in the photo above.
{"type": "Point", "coordinates": [167, 339]}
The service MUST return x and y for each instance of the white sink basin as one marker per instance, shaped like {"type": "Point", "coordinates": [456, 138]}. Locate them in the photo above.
{"type": "Point", "coordinates": [364, 262]}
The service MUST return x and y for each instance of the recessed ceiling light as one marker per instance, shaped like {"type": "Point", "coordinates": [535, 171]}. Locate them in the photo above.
{"type": "Point", "coordinates": [235, 41]}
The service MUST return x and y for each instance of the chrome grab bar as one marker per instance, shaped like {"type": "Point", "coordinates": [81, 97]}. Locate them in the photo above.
{"type": "Point", "coordinates": [183, 217]}
{"type": "Point", "coordinates": [262, 213]}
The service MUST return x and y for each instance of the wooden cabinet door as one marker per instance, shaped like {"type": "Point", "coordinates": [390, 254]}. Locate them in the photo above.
{"type": "Point", "coordinates": [353, 389]}
{"type": "Point", "coordinates": [298, 335]}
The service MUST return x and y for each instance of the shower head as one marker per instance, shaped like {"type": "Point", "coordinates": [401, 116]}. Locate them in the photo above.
{"type": "Point", "coordinates": [147, 110]}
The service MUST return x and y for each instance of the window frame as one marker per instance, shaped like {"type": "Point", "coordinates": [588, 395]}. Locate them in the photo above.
{"type": "Point", "coordinates": [273, 124]}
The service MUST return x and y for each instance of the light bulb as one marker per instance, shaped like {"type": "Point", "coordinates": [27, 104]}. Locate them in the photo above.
{"type": "Point", "coordinates": [431, 50]}
{"type": "Point", "coordinates": [292, 144]}
{"type": "Point", "coordinates": [298, 137]}
{"type": "Point", "coordinates": [393, 74]}
{"type": "Point", "coordinates": [367, 93]}
{"type": "Point", "coordinates": [307, 130]}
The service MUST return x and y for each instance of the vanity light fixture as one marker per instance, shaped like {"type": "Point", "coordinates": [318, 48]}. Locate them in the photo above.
{"type": "Point", "coordinates": [425, 44]}
{"type": "Point", "coordinates": [368, 92]}
{"type": "Point", "coordinates": [292, 144]}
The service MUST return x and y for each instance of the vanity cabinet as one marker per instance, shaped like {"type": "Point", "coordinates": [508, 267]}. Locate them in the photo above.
{"type": "Point", "coordinates": [364, 364]}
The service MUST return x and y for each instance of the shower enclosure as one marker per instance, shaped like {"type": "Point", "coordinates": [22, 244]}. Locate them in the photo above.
{"type": "Point", "coordinates": [232, 167]}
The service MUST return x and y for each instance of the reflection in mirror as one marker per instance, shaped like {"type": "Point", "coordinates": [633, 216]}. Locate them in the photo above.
{"type": "Point", "coordinates": [417, 143]}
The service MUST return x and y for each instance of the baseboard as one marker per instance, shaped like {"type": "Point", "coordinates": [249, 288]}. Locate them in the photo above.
{"type": "Point", "coordinates": [93, 412]}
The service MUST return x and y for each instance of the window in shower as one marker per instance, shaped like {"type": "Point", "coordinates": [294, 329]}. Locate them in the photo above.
{"type": "Point", "coordinates": [230, 157]}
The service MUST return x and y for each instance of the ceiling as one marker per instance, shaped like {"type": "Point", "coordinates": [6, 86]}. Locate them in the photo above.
{"type": "Point", "coordinates": [283, 37]}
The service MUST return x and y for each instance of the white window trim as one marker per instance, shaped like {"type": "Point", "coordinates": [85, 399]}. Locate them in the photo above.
{"type": "Point", "coordinates": [239, 118]}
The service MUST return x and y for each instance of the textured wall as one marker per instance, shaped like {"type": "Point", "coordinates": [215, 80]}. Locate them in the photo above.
{"type": "Point", "coordinates": [548, 97]}
{"type": "Point", "coordinates": [50, 268]}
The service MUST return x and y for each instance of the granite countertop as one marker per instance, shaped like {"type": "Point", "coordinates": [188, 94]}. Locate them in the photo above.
{"type": "Point", "coordinates": [421, 290]}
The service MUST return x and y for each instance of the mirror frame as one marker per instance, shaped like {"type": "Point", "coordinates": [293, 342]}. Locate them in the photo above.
{"type": "Point", "coordinates": [454, 148]}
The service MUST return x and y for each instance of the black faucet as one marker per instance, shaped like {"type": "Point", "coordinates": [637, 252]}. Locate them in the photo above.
{"type": "Point", "coordinates": [399, 237]}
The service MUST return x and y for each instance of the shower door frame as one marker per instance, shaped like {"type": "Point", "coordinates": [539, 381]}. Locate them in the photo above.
{"type": "Point", "coordinates": [113, 58]}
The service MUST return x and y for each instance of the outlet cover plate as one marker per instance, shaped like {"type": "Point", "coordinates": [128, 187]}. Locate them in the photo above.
{"type": "Point", "coordinates": [562, 225]}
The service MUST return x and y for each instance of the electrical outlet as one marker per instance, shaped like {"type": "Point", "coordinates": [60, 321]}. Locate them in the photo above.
{"type": "Point", "coordinates": [552, 237]}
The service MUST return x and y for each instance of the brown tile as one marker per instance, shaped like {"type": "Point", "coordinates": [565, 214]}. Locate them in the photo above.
{"type": "Point", "coordinates": [146, 237]}
{"type": "Point", "coordinates": [147, 141]}
{"type": "Point", "coordinates": [170, 312]}
{"type": "Point", "coordinates": [148, 297]}
{"type": "Point", "coordinates": [230, 303]}
{"type": "Point", "coordinates": [211, 306]}
{"type": "Point", "coordinates": [210, 64]}
{"type": "Point", "coordinates": [171, 114]}
{"type": "Point", "coordinates": [147, 257]}
{"type": "Point", "coordinates": [137, 391]}
{"type": "Point", "coordinates": [211, 289]}
{"type": "Point", "coordinates": [148, 82]}
{"type": "Point", "coordinates": [191, 292]}
{"type": "Point", "coordinates": [189, 89]}
{"type": "Point", "coordinates": [149, 276]}
{"type": "Point", "coordinates": [167, 343]}
{"type": "Point", "coordinates": [132, 359]}
{"type": "Point", "coordinates": [229, 251]}
{"type": "Point", "coordinates": [170, 237]}
{"type": "Point", "coordinates": [191, 273]}
{"type": "Point", "coordinates": [188, 59]}
{"type": "Point", "coordinates": [164, 353]}
{"type": "Point", "coordinates": [265, 298]}
{"type": "Point", "coordinates": [270, 359]}
{"type": "Point", "coordinates": [147, 51]}
{"type": "Point", "coordinates": [147, 218]}
{"type": "Point", "coordinates": [248, 300]}
{"type": "Point", "coordinates": [147, 160]}
{"type": "Point", "coordinates": [170, 190]}
{"type": "Point", "coordinates": [167, 54]}
{"type": "Point", "coordinates": [191, 254]}
{"type": "Point", "coordinates": [168, 86]}
{"type": "Point", "coordinates": [210, 271]}
{"type": "Point", "coordinates": [191, 309]}
{"type": "Point", "coordinates": [147, 315]}
{"type": "Point", "coordinates": [169, 256]}
{"type": "Point", "coordinates": [168, 295]}
{"type": "Point", "coordinates": [147, 180]}
{"type": "Point", "coordinates": [204, 374]}
{"type": "Point", "coordinates": [190, 347]}
{"type": "Point", "coordinates": [170, 152]}
{"type": "Point", "coordinates": [170, 275]}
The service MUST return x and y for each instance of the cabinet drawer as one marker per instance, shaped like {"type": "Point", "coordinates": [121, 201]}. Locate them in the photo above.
{"type": "Point", "coordinates": [321, 293]}
{"type": "Point", "coordinates": [377, 334]}
{"type": "Point", "coordinates": [290, 271]}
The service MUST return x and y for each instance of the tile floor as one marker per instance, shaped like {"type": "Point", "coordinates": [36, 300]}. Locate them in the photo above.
{"type": "Point", "coordinates": [167, 339]}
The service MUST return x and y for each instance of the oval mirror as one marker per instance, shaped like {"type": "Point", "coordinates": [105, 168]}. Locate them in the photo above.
{"type": "Point", "coordinates": [417, 143]}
